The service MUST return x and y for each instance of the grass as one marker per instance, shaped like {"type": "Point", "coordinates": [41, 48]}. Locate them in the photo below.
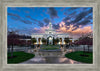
{"type": "Point", "coordinates": [77, 56]}
{"type": "Point", "coordinates": [45, 46]}
{"type": "Point", "coordinates": [50, 47]}
{"type": "Point", "coordinates": [19, 57]}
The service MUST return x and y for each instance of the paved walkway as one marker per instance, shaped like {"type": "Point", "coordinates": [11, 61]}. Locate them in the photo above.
{"type": "Point", "coordinates": [50, 60]}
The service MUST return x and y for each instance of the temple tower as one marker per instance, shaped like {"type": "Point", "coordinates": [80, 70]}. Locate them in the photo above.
{"type": "Point", "coordinates": [50, 25]}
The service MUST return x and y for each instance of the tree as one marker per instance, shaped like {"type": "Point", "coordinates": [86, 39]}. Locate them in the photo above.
{"type": "Point", "coordinates": [89, 42]}
{"type": "Point", "coordinates": [33, 41]}
{"type": "Point", "coordinates": [56, 41]}
{"type": "Point", "coordinates": [12, 40]}
{"type": "Point", "coordinates": [85, 41]}
{"type": "Point", "coordinates": [28, 42]}
{"type": "Point", "coordinates": [67, 40]}
{"type": "Point", "coordinates": [53, 41]}
{"type": "Point", "coordinates": [44, 40]}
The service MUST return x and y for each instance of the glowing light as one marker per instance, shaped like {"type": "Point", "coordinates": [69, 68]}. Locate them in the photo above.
{"type": "Point", "coordinates": [35, 43]}
{"type": "Point", "coordinates": [64, 42]}
{"type": "Point", "coordinates": [50, 38]}
{"type": "Point", "coordinates": [41, 43]}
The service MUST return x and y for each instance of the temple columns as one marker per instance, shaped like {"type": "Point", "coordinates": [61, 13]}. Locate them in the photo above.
{"type": "Point", "coordinates": [62, 40]}
{"type": "Point", "coordinates": [37, 40]}
{"type": "Point", "coordinates": [40, 40]}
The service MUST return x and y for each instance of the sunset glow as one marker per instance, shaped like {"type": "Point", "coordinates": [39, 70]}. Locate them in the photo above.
{"type": "Point", "coordinates": [74, 21]}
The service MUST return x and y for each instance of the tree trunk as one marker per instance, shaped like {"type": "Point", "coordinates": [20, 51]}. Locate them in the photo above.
{"type": "Point", "coordinates": [12, 51]}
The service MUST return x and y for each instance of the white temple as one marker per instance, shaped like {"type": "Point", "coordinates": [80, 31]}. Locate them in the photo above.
{"type": "Point", "coordinates": [49, 35]}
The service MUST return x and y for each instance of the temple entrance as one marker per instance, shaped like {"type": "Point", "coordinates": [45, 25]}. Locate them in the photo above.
{"type": "Point", "coordinates": [39, 40]}
{"type": "Point", "coordinates": [50, 40]}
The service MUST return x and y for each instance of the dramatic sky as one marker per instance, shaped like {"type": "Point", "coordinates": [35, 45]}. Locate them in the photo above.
{"type": "Point", "coordinates": [74, 21]}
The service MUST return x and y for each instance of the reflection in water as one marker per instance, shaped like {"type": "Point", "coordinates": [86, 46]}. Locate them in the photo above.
{"type": "Point", "coordinates": [62, 59]}
{"type": "Point", "coordinates": [71, 61]}
{"type": "Point", "coordinates": [53, 57]}
{"type": "Point", "coordinates": [38, 59]}
{"type": "Point", "coordinates": [53, 60]}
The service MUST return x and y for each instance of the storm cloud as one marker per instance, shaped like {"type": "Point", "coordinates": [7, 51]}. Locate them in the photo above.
{"type": "Point", "coordinates": [53, 13]}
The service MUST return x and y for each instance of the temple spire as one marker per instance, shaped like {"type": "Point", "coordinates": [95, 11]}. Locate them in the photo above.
{"type": "Point", "coordinates": [50, 25]}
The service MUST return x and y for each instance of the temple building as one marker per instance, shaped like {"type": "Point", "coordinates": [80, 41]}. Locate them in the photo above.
{"type": "Point", "coordinates": [49, 34]}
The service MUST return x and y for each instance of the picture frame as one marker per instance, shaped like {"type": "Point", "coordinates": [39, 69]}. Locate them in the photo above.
{"type": "Point", "coordinates": [47, 67]}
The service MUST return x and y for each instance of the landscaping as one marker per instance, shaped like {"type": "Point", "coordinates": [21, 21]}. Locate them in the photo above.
{"type": "Point", "coordinates": [77, 56]}
{"type": "Point", "coordinates": [45, 46]}
{"type": "Point", "coordinates": [19, 57]}
{"type": "Point", "coordinates": [50, 47]}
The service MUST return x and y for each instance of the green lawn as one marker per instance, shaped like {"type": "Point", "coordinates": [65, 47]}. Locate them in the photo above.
{"type": "Point", "coordinates": [45, 46]}
{"type": "Point", "coordinates": [50, 47]}
{"type": "Point", "coordinates": [19, 57]}
{"type": "Point", "coordinates": [77, 56]}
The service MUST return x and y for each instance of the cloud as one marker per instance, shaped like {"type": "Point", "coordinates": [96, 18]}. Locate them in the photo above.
{"type": "Point", "coordinates": [67, 20]}
{"type": "Point", "coordinates": [39, 23]}
{"type": "Point", "coordinates": [90, 10]}
{"type": "Point", "coordinates": [90, 17]}
{"type": "Point", "coordinates": [29, 31]}
{"type": "Point", "coordinates": [82, 15]}
{"type": "Point", "coordinates": [14, 18]}
{"type": "Point", "coordinates": [84, 22]}
{"type": "Point", "coordinates": [73, 8]}
{"type": "Point", "coordinates": [84, 30]}
{"type": "Point", "coordinates": [53, 13]}
{"type": "Point", "coordinates": [73, 14]}
{"type": "Point", "coordinates": [82, 18]}
{"type": "Point", "coordinates": [77, 32]}
{"type": "Point", "coordinates": [31, 18]}
{"type": "Point", "coordinates": [62, 27]}
{"type": "Point", "coordinates": [26, 21]}
{"type": "Point", "coordinates": [46, 20]}
{"type": "Point", "coordinates": [40, 30]}
{"type": "Point", "coordinates": [56, 26]}
{"type": "Point", "coordinates": [14, 15]}
{"type": "Point", "coordinates": [17, 17]}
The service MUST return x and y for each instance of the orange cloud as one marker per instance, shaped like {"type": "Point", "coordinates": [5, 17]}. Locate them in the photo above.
{"type": "Point", "coordinates": [77, 32]}
{"type": "Point", "coordinates": [42, 29]}
{"type": "Point", "coordinates": [62, 27]}
{"type": "Point", "coordinates": [84, 30]}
